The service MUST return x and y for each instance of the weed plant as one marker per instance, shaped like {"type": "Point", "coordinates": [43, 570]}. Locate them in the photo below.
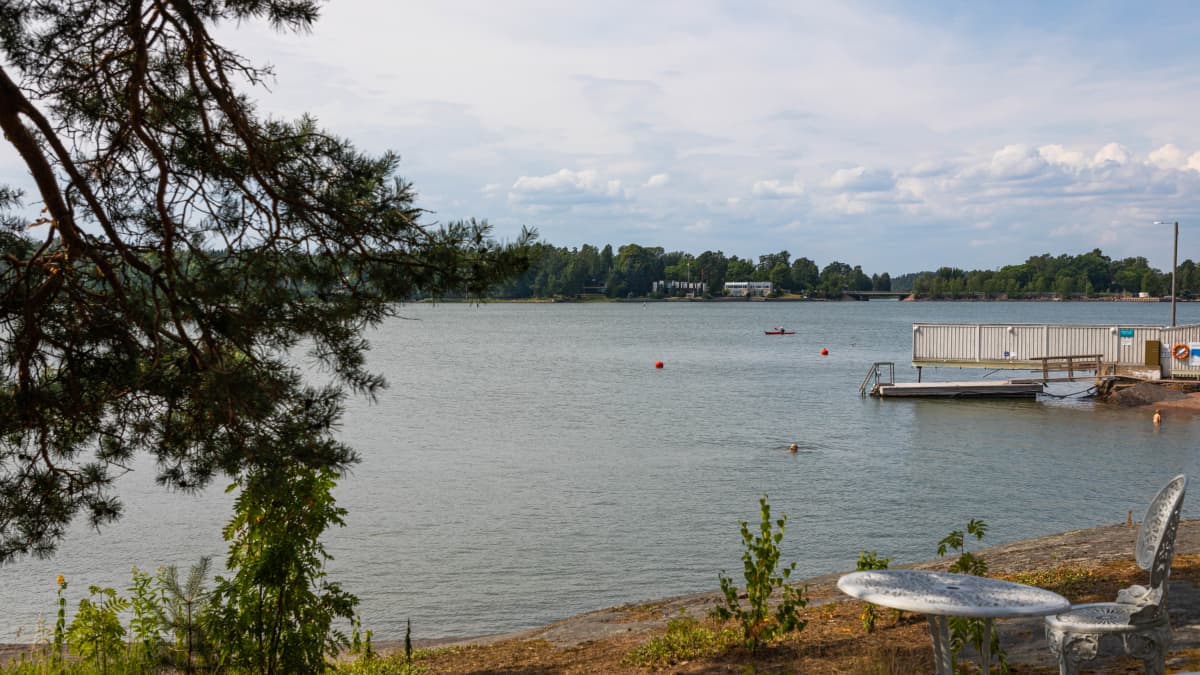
{"type": "Point", "coordinates": [686, 639]}
{"type": "Point", "coordinates": [964, 631]}
{"type": "Point", "coordinates": [763, 576]}
{"type": "Point", "coordinates": [870, 560]}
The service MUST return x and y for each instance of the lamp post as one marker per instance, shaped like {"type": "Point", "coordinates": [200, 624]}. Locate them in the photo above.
{"type": "Point", "coordinates": [1174, 266]}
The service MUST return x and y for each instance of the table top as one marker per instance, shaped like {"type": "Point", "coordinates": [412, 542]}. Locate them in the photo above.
{"type": "Point", "coordinates": [949, 594]}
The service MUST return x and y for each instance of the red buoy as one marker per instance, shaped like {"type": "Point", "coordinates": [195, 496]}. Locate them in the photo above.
{"type": "Point", "coordinates": [658, 364]}
{"type": "Point", "coordinates": [824, 351]}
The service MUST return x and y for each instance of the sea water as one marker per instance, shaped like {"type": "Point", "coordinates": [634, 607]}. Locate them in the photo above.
{"type": "Point", "coordinates": [529, 462]}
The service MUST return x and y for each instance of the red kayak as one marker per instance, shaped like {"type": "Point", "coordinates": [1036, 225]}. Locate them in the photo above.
{"type": "Point", "coordinates": [779, 331]}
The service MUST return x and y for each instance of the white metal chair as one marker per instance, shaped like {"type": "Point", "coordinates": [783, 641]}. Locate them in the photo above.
{"type": "Point", "coordinates": [1137, 622]}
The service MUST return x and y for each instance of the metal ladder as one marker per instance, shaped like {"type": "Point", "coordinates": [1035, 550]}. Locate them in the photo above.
{"type": "Point", "coordinates": [875, 378]}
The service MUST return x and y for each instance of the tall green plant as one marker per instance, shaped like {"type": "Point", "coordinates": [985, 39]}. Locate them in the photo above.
{"type": "Point", "coordinates": [96, 633]}
{"type": "Point", "coordinates": [964, 631]}
{"type": "Point", "coordinates": [145, 599]}
{"type": "Point", "coordinates": [763, 576]}
{"type": "Point", "coordinates": [181, 610]}
{"type": "Point", "coordinates": [870, 560]}
{"type": "Point", "coordinates": [275, 613]}
{"type": "Point", "coordinates": [60, 622]}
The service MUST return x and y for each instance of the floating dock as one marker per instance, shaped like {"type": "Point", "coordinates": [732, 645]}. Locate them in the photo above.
{"type": "Point", "coordinates": [881, 381]}
{"type": "Point", "coordinates": [969, 389]}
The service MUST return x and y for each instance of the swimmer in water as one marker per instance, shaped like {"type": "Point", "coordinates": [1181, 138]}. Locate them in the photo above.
{"type": "Point", "coordinates": [1157, 417]}
{"type": "Point", "coordinates": [793, 448]}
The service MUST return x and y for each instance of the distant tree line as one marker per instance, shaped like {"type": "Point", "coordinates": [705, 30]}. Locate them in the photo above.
{"type": "Point", "coordinates": [632, 269]}
{"type": "Point", "coordinates": [1089, 275]}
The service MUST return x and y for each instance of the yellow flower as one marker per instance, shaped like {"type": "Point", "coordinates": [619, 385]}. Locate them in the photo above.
{"type": "Point", "coordinates": [61, 580]}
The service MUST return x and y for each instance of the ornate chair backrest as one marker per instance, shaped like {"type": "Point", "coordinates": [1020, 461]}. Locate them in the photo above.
{"type": "Point", "coordinates": [1156, 545]}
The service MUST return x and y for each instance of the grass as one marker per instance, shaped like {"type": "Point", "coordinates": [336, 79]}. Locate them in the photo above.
{"type": "Point", "coordinates": [685, 639]}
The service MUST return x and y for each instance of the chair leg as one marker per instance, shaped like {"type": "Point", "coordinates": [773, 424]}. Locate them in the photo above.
{"type": "Point", "coordinates": [1071, 649]}
{"type": "Point", "coordinates": [1155, 665]}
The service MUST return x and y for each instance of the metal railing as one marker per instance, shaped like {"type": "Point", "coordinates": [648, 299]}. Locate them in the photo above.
{"type": "Point", "coordinates": [875, 377]}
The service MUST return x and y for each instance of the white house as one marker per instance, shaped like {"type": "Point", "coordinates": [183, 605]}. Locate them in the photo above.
{"type": "Point", "coordinates": [740, 289]}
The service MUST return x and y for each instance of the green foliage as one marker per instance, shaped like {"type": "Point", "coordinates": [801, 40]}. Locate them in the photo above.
{"type": "Point", "coordinates": [685, 640]}
{"type": "Point", "coordinates": [96, 633]}
{"type": "Point", "coordinates": [392, 664]}
{"type": "Point", "coordinates": [966, 563]}
{"type": "Point", "coordinates": [964, 631]}
{"type": "Point", "coordinates": [360, 640]}
{"type": "Point", "coordinates": [60, 622]}
{"type": "Point", "coordinates": [763, 576]}
{"type": "Point", "coordinates": [181, 613]}
{"type": "Point", "coordinates": [146, 601]}
{"type": "Point", "coordinates": [187, 246]}
{"type": "Point", "coordinates": [870, 560]}
{"type": "Point", "coordinates": [275, 614]}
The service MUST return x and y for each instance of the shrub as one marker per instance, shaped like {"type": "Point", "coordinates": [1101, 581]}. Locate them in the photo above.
{"type": "Point", "coordinates": [964, 631]}
{"type": "Point", "coordinates": [275, 613]}
{"type": "Point", "coordinates": [763, 575]}
{"type": "Point", "coordinates": [96, 634]}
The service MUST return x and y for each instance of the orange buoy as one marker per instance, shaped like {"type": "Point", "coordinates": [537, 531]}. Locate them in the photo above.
{"type": "Point", "coordinates": [824, 351]}
{"type": "Point", "coordinates": [1181, 351]}
{"type": "Point", "coordinates": [658, 364]}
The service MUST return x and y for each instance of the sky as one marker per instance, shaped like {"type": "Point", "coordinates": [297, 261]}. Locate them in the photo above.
{"type": "Point", "coordinates": [900, 136]}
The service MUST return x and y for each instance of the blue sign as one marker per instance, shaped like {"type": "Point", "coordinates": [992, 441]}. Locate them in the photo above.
{"type": "Point", "coordinates": [1126, 332]}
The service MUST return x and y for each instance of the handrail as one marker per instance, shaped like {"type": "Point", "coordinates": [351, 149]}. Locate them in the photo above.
{"type": "Point", "coordinates": [1092, 362]}
{"type": "Point", "coordinates": [875, 374]}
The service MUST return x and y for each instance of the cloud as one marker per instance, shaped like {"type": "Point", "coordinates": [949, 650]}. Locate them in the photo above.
{"type": "Point", "coordinates": [1057, 154]}
{"type": "Point", "coordinates": [1014, 162]}
{"type": "Point", "coordinates": [1113, 153]}
{"type": "Point", "coordinates": [565, 187]}
{"type": "Point", "coordinates": [859, 179]}
{"type": "Point", "coordinates": [699, 227]}
{"type": "Point", "coordinates": [657, 180]}
{"type": "Point", "coordinates": [1168, 157]}
{"type": "Point", "coordinates": [775, 189]}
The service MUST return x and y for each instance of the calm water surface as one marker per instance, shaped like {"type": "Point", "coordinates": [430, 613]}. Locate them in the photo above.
{"type": "Point", "coordinates": [529, 463]}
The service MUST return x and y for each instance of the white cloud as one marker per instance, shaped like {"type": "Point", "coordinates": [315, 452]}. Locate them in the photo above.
{"type": "Point", "coordinates": [699, 227]}
{"type": "Point", "coordinates": [1168, 156]}
{"type": "Point", "coordinates": [1193, 162]}
{"type": "Point", "coordinates": [1113, 153]}
{"type": "Point", "coordinates": [1057, 154]}
{"type": "Point", "coordinates": [859, 179]}
{"type": "Point", "coordinates": [775, 189]}
{"type": "Point", "coordinates": [657, 180]}
{"type": "Point", "coordinates": [565, 187]}
{"type": "Point", "coordinates": [1016, 161]}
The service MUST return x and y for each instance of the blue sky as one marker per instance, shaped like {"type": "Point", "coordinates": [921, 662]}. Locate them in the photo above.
{"type": "Point", "coordinates": [897, 135]}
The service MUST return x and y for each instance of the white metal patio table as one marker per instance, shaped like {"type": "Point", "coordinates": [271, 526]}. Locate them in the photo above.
{"type": "Point", "coordinates": [940, 595]}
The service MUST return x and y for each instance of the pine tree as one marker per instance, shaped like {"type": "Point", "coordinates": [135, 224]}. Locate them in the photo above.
{"type": "Point", "coordinates": [186, 244]}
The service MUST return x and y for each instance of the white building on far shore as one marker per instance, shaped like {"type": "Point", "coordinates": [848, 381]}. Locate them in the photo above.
{"type": "Point", "coordinates": [740, 289]}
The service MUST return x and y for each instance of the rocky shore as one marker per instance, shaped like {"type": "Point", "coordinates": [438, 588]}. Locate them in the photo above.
{"type": "Point", "coordinates": [1022, 637]}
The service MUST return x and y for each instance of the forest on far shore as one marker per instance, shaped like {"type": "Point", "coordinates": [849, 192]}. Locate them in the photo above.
{"type": "Point", "coordinates": [632, 270]}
